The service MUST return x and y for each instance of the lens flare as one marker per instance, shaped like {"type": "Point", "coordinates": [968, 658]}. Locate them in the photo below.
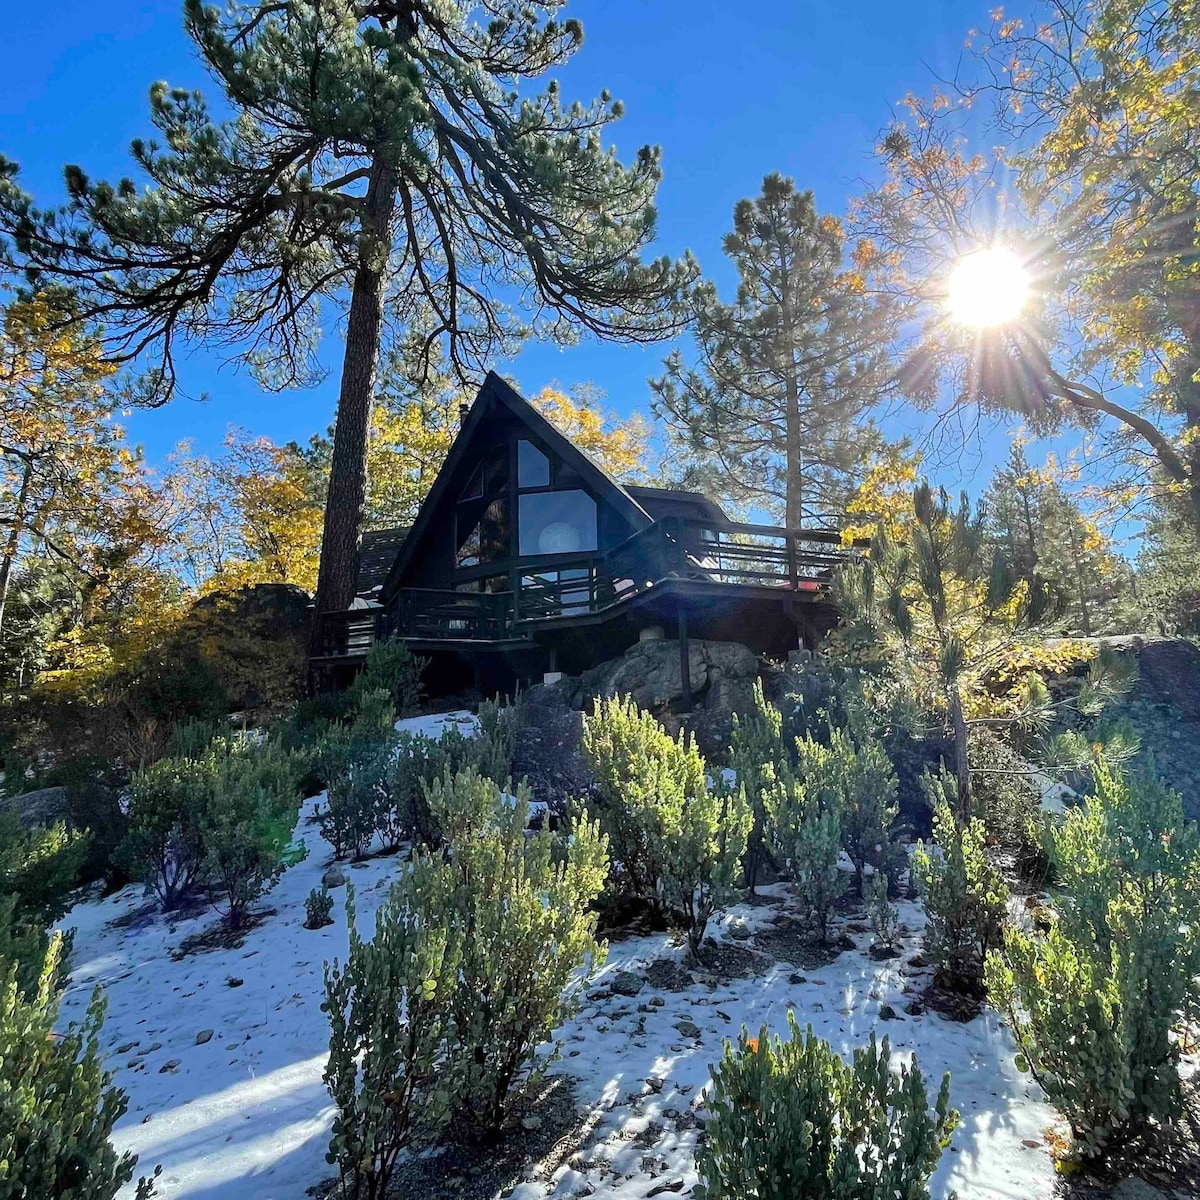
{"type": "Point", "coordinates": [988, 288]}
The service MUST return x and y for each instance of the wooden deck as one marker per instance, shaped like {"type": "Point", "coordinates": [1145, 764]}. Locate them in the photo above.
{"type": "Point", "coordinates": [728, 562]}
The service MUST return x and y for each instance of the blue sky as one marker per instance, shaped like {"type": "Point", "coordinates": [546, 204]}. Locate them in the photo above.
{"type": "Point", "coordinates": [795, 86]}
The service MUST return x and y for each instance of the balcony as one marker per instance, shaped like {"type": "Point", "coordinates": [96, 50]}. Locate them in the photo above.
{"type": "Point", "coordinates": [757, 559]}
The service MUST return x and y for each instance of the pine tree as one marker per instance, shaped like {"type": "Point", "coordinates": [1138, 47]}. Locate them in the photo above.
{"type": "Point", "coordinates": [383, 152]}
{"type": "Point", "coordinates": [784, 375]}
{"type": "Point", "coordinates": [1032, 517]}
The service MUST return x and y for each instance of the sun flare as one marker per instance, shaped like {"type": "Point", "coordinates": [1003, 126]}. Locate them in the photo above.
{"type": "Point", "coordinates": [988, 288]}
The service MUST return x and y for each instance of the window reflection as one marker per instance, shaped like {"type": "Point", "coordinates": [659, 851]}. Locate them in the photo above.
{"type": "Point", "coordinates": [533, 467]}
{"type": "Point", "coordinates": [556, 523]}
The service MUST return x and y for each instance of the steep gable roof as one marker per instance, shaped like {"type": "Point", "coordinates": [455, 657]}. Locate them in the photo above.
{"type": "Point", "coordinates": [494, 393]}
{"type": "Point", "coordinates": [376, 553]}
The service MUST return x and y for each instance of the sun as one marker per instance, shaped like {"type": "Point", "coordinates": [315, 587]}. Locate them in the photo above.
{"type": "Point", "coordinates": [988, 288]}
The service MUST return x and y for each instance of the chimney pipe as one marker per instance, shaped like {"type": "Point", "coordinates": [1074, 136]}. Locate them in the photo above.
{"type": "Point", "coordinates": [464, 410]}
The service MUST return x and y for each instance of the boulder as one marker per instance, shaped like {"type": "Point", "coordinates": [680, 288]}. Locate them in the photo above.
{"type": "Point", "coordinates": [45, 806]}
{"type": "Point", "coordinates": [721, 674]}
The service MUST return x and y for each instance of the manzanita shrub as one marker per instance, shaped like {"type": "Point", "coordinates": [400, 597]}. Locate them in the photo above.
{"type": "Point", "coordinates": [390, 1010]}
{"type": "Point", "coordinates": [679, 843]}
{"type": "Point", "coordinates": [789, 1120]}
{"type": "Point", "coordinates": [57, 1103]}
{"type": "Point", "coordinates": [521, 907]}
{"type": "Point", "coordinates": [1092, 1002]}
{"type": "Point", "coordinates": [480, 952]}
{"type": "Point", "coordinates": [965, 895]}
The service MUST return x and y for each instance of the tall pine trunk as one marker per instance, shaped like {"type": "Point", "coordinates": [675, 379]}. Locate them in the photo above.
{"type": "Point", "coordinates": [13, 542]}
{"type": "Point", "coordinates": [346, 498]}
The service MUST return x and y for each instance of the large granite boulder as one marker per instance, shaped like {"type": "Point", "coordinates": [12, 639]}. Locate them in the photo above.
{"type": "Point", "coordinates": [721, 674]}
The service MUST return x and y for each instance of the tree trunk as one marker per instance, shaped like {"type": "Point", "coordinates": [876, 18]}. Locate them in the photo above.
{"type": "Point", "coordinates": [347, 494]}
{"type": "Point", "coordinates": [962, 771]}
{"type": "Point", "coordinates": [794, 504]}
{"type": "Point", "coordinates": [13, 544]}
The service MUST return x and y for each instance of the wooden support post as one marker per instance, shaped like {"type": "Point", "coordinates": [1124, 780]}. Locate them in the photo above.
{"type": "Point", "coordinates": [685, 666]}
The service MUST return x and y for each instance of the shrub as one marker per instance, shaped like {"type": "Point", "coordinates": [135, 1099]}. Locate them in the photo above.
{"type": "Point", "coordinates": [757, 757]}
{"type": "Point", "coordinates": [391, 1027]}
{"type": "Point", "coordinates": [40, 867]}
{"type": "Point", "coordinates": [702, 858]}
{"type": "Point", "coordinates": [965, 896]}
{"type": "Point", "coordinates": [789, 1120]}
{"type": "Point", "coordinates": [360, 801]}
{"type": "Point", "coordinates": [392, 668]}
{"type": "Point", "coordinates": [24, 945]}
{"type": "Point", "coordinates": [248, 821]}
{"type": "Point", "coordinates": [805, 822]}
{"type": "Point", "coordinates": [1092, 1002]}
{"type": "Point", "coordinates": [885, 919]}
{"type": "Point", "coordinates": [863, 774]}
{"type": "Point", "coordinates": [1003, 795]}
{"type": "Point", "coordinates": [421, 760]}
{"type": "Point", "coordinates": [318, 909]}
{"type": "Point", "coordinates": [644, 780]}
{"type": "Point", "coordinates": [57, 1103]}
{"type": "Point", "coordinates": [164, 845]}
{"type": "Point", "coordinates": [521, 907]}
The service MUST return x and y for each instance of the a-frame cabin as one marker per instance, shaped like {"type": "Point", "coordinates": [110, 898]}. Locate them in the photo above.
{"type": "Point", "coordinates": [527, 558]}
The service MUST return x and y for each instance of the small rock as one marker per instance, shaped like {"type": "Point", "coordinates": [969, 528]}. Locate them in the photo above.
{"type": "Point", "coordinates": [172, 1065]}
{"type": "Point", "coordinates": [688, 1029]}
{"type": "Point", "coordinates": [203, 1037]}
{"type": "Point", "coordinates": [1134, 1188]}
{"type": "Point", "coordinates": [1031, 1143]}
{"type": "Point", "coordinates": [655, 1085]}
{"type": "Point", "coordinates": [672, 1185]}
{"type": "Point", "coordinates": [657, 1001]}
{"type": "Point", "coordinates": [233, 981]}
{"type": "Point", "coordinates": [914, 1008]}
{"type": "Point", "coordinates": [797, 978]}
{"type": "Point", "coordinates": [125, 1049]}
{"type": "Point", "coordinates": [334, 877]}
{"type": "Point", "coordinates": [888, 1013]}
{"type": "Point", "coordinates": [531, 1122]}
{"type": "Point", "coordinates": [625, 983]}
{"type": "Point", "coordinates": [739, 931]}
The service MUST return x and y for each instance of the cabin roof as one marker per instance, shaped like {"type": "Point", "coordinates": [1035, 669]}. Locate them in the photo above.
{"type": "Point", "coordinates": [376, 553]}
{"type": "Point", "coordinates": [495, 392]}
{"type": "Point", "coordinates": [663, 502]}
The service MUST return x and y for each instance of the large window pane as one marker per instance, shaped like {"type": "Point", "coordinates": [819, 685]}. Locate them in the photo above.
{"type": "Point", "coordinates": [482, 538]}
{"type": "Point", "coordinates": [556, 523]}
{"type": "Point", "coordinates": [533, 467]}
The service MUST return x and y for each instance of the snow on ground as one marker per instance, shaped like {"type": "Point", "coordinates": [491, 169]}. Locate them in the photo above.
{"type": "Point", "coordinates": [242, 1113]}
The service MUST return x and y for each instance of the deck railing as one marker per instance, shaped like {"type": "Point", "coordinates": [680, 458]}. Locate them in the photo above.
{"type": "Point", "coordinates": [673, 548]}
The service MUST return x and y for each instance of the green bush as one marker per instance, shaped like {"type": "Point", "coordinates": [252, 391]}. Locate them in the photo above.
{"type": "Point", "coordinates": [805, 823]}
{"type": "Point", "coordinates": [318, 909]}
{"type": "Point", "coordinates": [863, 774]}
{"type": "Point", "coordinates": [164, 845]}
{"type": "Point", "coordinates": [24, 945]}
{"type": "Point", "coordinates": [40, 867]}
{"type": "Point", "coordinates": [392, 668]}
{"type": "Point", "coordinates": [57, 1103]}
{"type": "Point", "coordinates": [885, 919]}
{"type": "Point", "coordinates": [390, 1011]}
{"type": "Point", "coordinates": [520, 906]}
{"type": "Point", "coordinates": [360, 801]}
{"type": "Point", "coordinates": [226, 817]}
{"type": "Point", "coordinates": [965, 896]}
{"type": "Point", "coordinates": [1093, 1001]}
{"type": "Point", "coordinates": [248, 822]}
{"type": "Point", "coordinates": [789, 1120]}
{"type": "Point", "coordinates": [757, 757]}
{"type": "Point", "coordinates": [679, 843]}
